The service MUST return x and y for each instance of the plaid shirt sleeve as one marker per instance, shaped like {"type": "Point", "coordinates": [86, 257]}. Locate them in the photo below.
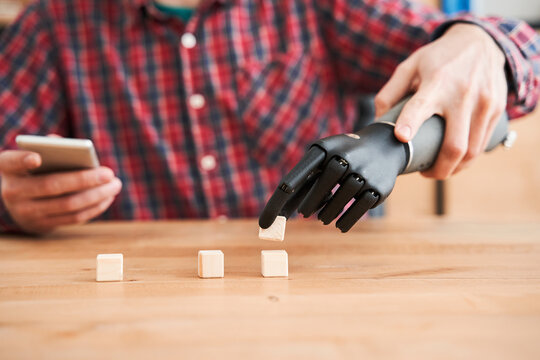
{"type": "Point", "coordinates": [31, 98]}
{"type": "Point", "coordinates": [370, 38]}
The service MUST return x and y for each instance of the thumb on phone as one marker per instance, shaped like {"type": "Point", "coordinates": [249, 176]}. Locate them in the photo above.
{"type": "Point", "coordinates": [18, 162]}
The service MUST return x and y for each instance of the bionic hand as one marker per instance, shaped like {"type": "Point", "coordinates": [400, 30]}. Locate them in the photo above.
{"type": "Point", "coordinates": [365, 165]}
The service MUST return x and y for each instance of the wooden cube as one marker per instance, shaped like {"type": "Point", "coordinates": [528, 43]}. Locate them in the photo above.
{"type": "Point", "coordinates": [109, 267]}
{"type": "Point", "coordinates": [276, 231]}
{"type": "Point", "coordinates": [274, 263]}
{"type": "Point", "coordinates": [211, 263]}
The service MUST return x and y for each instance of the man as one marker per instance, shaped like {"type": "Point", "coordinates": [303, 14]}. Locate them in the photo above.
{"type": "Point", "coordinates": [200, 115]}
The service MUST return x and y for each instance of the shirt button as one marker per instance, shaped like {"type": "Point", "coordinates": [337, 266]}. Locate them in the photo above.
{"type": "Point", "coordinates": [208, 162]}
{"type": "Point", "coordinates": [196, 101]}
{"type": "Point", "coordinates": [188, 40]}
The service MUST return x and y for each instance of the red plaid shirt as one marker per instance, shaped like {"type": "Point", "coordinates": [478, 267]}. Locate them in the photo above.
{"type": "Point", "coordinates": [202, 119]}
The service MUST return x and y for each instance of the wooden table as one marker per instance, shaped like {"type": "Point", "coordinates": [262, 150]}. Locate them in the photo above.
{"type": "Point", "coordinates": [428, 289]}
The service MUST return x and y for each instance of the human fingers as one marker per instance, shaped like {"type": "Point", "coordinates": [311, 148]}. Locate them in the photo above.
{"type": "Point", "coordinates": [396, 88]}
{"type": "Point", "coordinates": [56, 184]}
{"type": "Point", "coordinates": [455, 142]}
{"type": "Point", "coordinates": [40, 208]}
{"type": "Point", "coordinates": [78, 217]}
{"type": "Point", "coordinates": [479, 123]}
{"type": "Point", "coordinates": [18, 162]}
{"type": "Point", "coordinates": [420, 107]}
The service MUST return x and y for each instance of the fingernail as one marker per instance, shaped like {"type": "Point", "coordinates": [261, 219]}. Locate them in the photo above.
{"type": "Point", "coordinates": [404, 131]}
{"type": "Point", "coordinates": [105, 175]}
{"type": "Point", "coordinates": [31, 160]}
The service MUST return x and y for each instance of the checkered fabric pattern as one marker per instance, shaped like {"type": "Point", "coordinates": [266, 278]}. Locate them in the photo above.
{"type": "Point", "coordinates": [201, 119]}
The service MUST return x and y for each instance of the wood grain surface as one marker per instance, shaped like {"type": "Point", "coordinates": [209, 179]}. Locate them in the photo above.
{"type": "Point", "coordinates": [424, 289]}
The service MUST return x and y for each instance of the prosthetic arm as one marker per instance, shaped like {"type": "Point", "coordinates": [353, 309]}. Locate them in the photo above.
{"type": "Point", "coordinates": [365, 165]}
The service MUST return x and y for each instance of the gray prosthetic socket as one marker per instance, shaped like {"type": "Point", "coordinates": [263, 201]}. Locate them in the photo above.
{"type": "Point", "coordinates": [425, 146]}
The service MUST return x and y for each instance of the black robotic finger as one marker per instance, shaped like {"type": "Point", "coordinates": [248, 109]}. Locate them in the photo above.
{"type": "Point", "coordinates": [289, 184]}
{"type": "Point", "coordinates": [329, 177]}
{"type": "Point", "coordinates": [355, 212]}
{"type": "Point", "coordinates": [302, 170]}
{"type": "Point", "coordinates": [345, 193]}
{"type": "Point", "coordinates": [293, 203]}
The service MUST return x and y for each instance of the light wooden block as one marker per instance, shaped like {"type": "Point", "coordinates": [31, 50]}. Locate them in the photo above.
{"type": "Point", "coordinates": [274, 263]}
{"type": "Point", "coordinates": [109, 267]}
{"type": "Point", "coordinates": [211, 263]}
{"type": "Point", "coordinates": [276, 231]}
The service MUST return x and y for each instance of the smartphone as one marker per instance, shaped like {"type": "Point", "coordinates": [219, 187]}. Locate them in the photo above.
{"type": "Point", "coordinates": [60, 154]}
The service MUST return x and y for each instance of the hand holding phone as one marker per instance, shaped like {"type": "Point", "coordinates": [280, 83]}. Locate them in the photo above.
{"type": "Point", "coordinates": [60, 154]}
{"type": "Point", "coordinates": [41, 202]}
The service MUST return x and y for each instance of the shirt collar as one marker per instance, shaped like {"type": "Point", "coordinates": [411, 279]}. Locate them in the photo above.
{"type": "Point", "coordinates": [148, 6]}
{"type": "Point", "coordinates": [144, 3]}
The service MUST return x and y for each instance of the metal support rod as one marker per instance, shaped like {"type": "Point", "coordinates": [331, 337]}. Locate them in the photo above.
{"type": "Point", "coordinates": [440, 204]}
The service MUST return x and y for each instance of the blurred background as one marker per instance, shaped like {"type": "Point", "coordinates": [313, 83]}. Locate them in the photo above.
{"type": "Point", "coordinates": [504, 184]}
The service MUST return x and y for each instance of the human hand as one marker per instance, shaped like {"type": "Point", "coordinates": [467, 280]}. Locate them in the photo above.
{"type": "Point", "coordinates": [461, 77]}
{"type": "Point", "coordinates": [41, 203]}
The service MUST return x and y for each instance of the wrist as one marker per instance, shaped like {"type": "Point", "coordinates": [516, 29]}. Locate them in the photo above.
{"type": "Point", "coordinates": [475, 34]}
